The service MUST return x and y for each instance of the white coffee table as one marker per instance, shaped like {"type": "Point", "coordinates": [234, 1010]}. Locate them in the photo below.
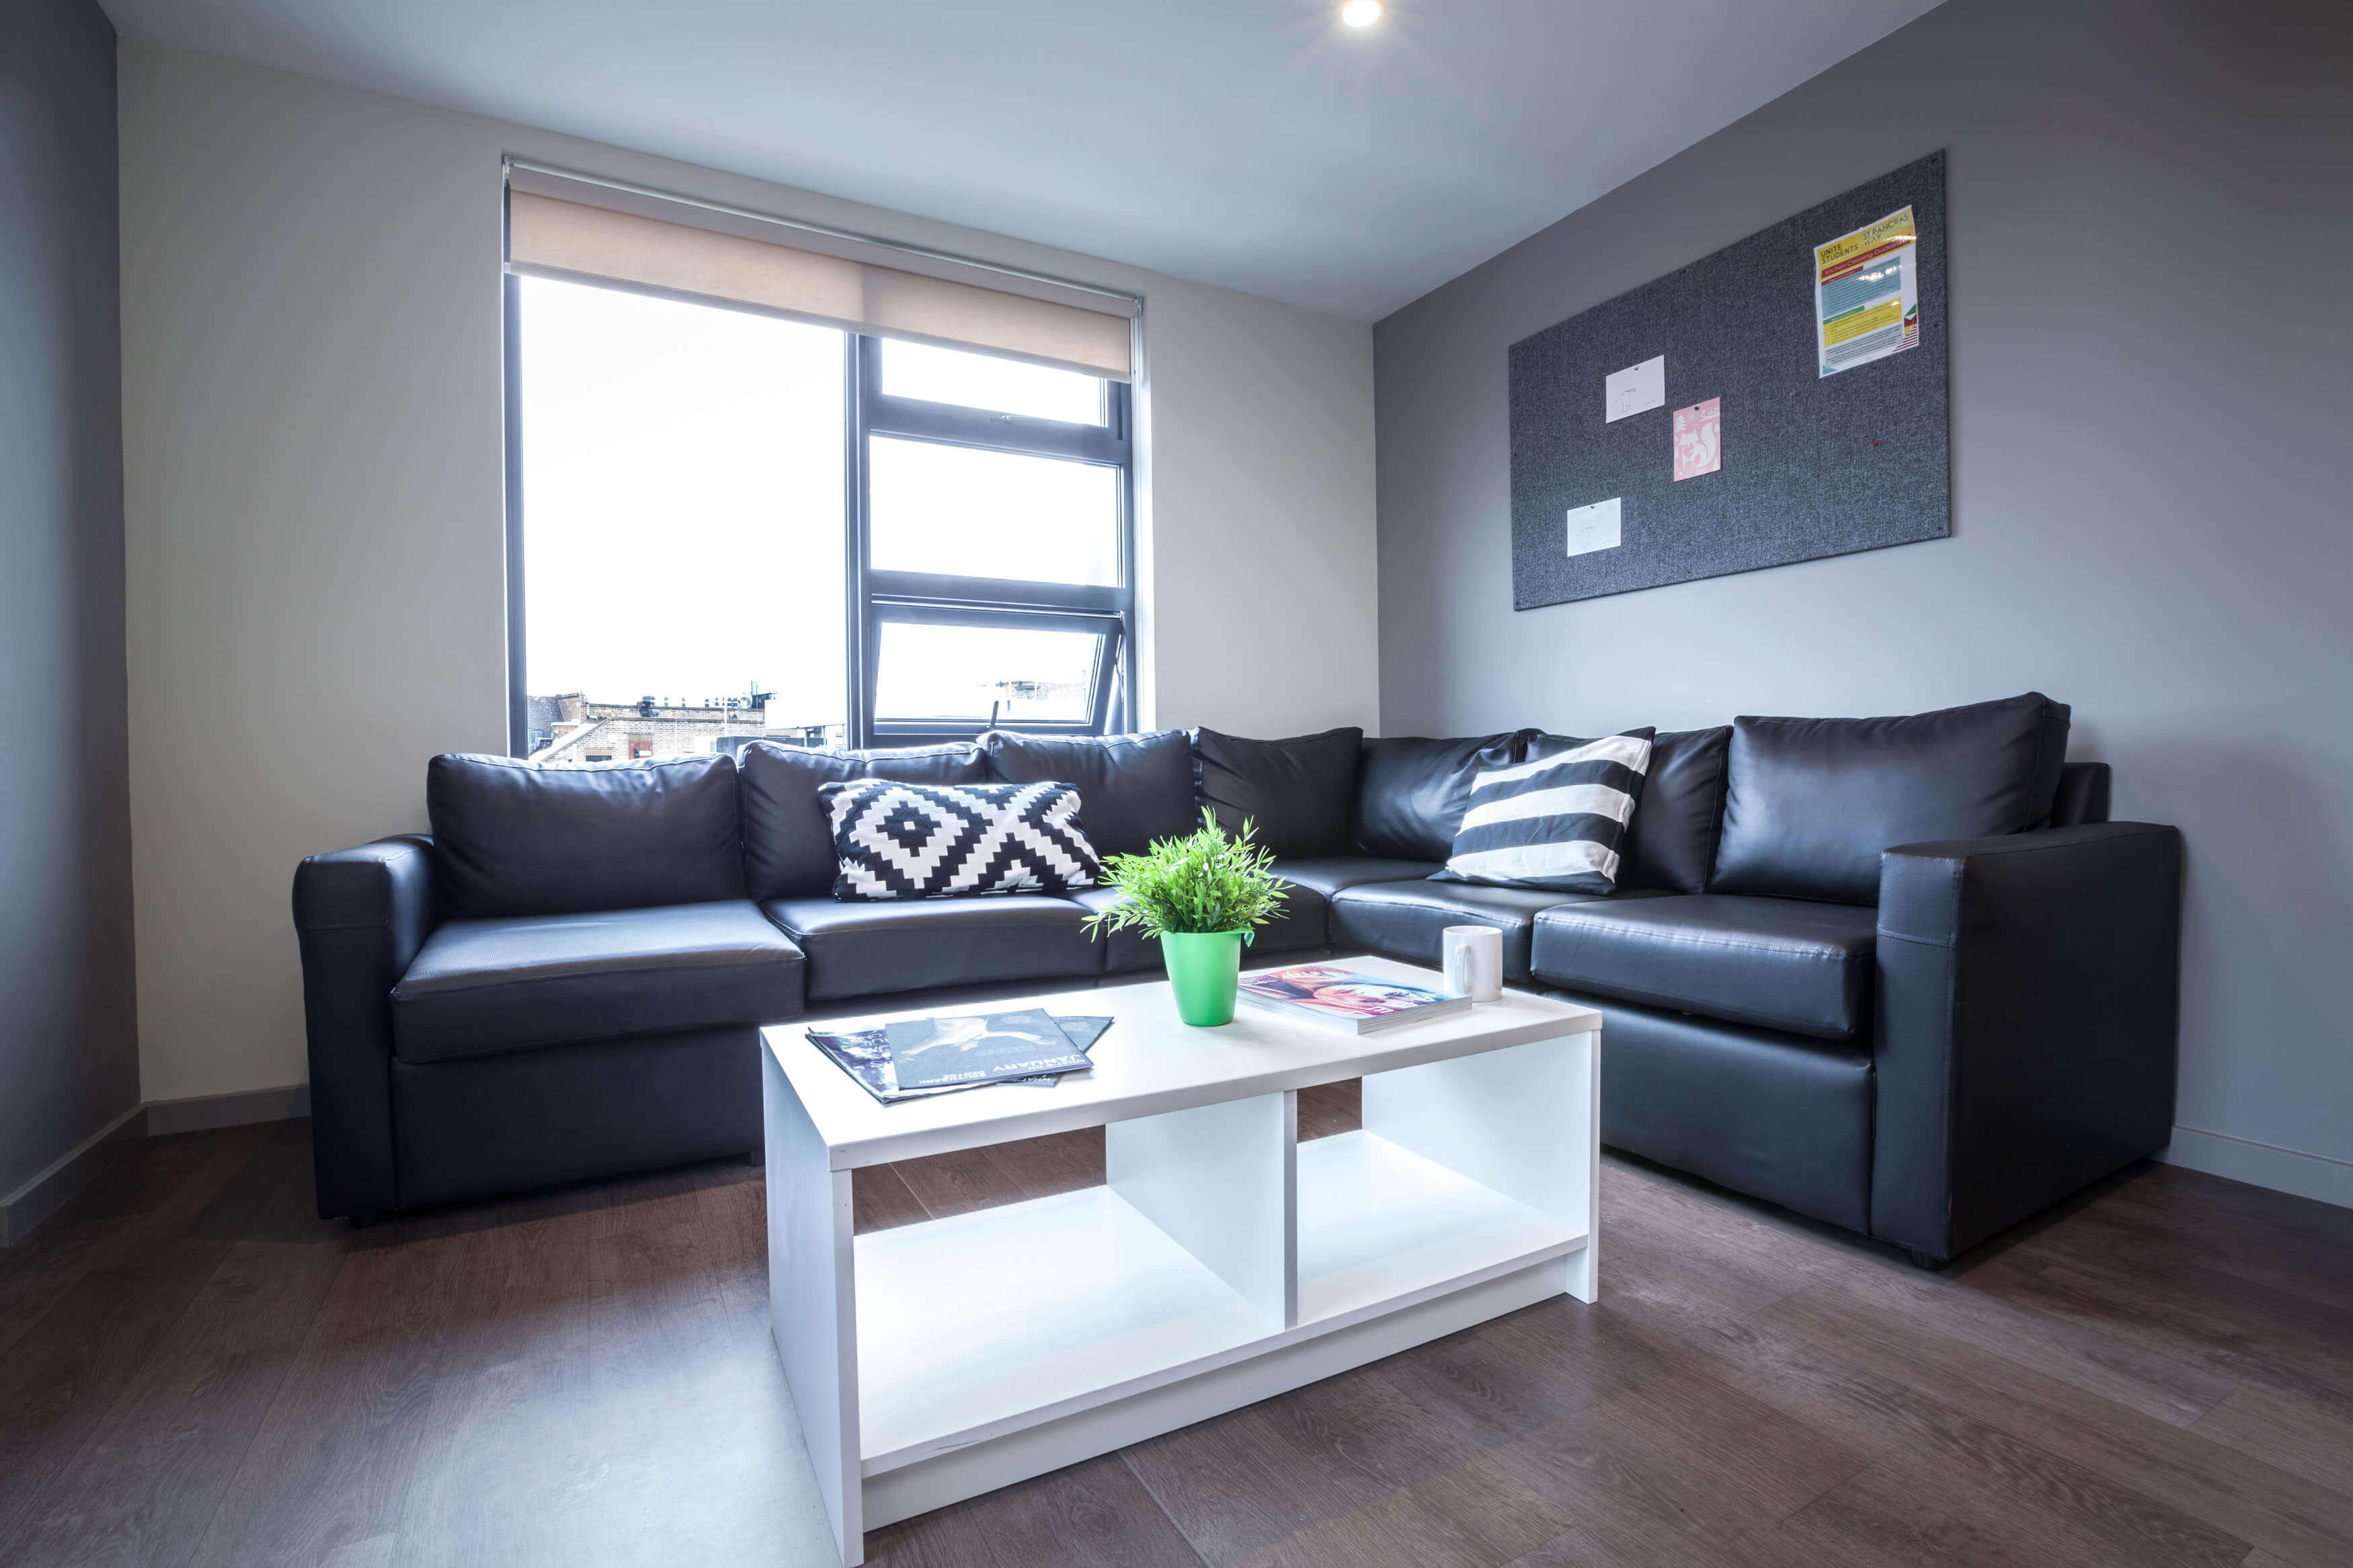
{"type": "Point", "coordinates": [1224, 1261]}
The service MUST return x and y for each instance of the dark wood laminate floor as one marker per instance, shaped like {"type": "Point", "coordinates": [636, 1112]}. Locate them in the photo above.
{"type": "Point", "coordinates": [194, 1369]}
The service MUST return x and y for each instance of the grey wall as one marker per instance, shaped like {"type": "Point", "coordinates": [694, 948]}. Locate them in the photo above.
{"type": "Point", "coordinates": [68, 1047]}
{"type": "Point", "coordinates": [2151, 351]}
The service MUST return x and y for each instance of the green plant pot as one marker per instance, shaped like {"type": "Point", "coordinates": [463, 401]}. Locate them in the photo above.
{"type": "Point", "coordinates": [1204, 969]}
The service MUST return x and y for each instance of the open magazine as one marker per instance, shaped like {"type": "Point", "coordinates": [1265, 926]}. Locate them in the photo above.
{"type": "Point", "coordinates": [921, 1057]}
{"type": "Point", "coordinates": [1345, 999]}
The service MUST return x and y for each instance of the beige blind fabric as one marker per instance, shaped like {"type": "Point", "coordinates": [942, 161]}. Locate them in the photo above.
{"type": "Point", "coordinates": [546, 233]}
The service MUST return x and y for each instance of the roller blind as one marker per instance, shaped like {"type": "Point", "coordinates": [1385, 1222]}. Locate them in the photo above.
{"type": "Point", "coordinates": [549, 235]}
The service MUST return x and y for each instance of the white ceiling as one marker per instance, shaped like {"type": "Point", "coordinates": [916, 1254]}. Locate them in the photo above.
{"type": "Point", "coordinates": [1252, 144]}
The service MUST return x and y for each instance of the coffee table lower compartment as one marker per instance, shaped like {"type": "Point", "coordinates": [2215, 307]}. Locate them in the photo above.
{"type": "Point", "coordinates": [1267, 1368]}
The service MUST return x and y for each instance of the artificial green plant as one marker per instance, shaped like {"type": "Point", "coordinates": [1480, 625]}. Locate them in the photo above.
{"type": "Point", "coordinates": [1208, 881]}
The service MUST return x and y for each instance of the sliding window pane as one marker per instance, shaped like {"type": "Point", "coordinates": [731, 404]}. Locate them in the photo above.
{"type": "Point", "coordinates": [965, 672]}
{"type": "Point", "coordinates": [972, 513]}
{"type": "Point", "coordinates": [682, 516]}
{"type": "Point", "coordinates": [999, 385]}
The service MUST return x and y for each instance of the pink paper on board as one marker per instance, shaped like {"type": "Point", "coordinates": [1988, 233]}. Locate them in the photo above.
{"type": "Point", "coordinates": [1699, 438]}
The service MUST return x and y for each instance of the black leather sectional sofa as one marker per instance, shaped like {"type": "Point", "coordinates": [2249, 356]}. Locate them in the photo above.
{"type": "Point", "coordinates": [1902, 976]}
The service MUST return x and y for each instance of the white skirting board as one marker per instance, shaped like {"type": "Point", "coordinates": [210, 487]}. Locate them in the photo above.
{"type": "Point", "coordinates": [49, 1189]}
{"type": "Point", "coordinates": [2289, 1170]}
{"type": "Point", "coordinates": [54, 1186]}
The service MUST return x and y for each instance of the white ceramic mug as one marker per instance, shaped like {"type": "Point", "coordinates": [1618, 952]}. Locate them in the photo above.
{"type": "Point", "coordinates": [1473, 960]}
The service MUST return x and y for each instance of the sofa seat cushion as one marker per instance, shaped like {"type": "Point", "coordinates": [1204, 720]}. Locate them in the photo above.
{"type": "Point", "coordinates": [518, 981]}
{"type": "Point", "coordinates": [873, 949]}
{"type": "Point", "coordinates": [1783, 1119]}
{"type": "Point", "coordinates": [1403, 919]}
{"type": "Point", "coordinates": [1327, 876]}
{"type": "Point", "coordinates": [1298, 926]}
{"type": "Point", "coordinates": [1783, 964]}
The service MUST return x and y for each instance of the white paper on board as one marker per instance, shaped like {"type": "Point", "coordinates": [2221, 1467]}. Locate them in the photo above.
{"type": "Point", "coordinates": [1592, 528]}
{"type": "Point", "coordinates": [1635, 388]}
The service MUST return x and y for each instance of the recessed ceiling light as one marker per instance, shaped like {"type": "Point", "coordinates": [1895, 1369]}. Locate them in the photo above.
{"type": "Point", "coordinates": [1361, 13]}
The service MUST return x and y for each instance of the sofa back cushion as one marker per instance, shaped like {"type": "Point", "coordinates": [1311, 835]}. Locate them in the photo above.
{"type": "Point", "coordinates": [1811, 803]}
{"type": "Point", "coordinates": [1671, 843]}
{"type": "Point", "coordinates": [788, 835]}
{"type": "Point", "coordinates": [1301, 792]}
{"type": "Point", "coordinates": [1411, 792]}
{"type": "Point", "coordinates": [514, 838]}
{"type": "Point", "coordinates": [2083, 797]}
{"type": "Point", "coordinates": [1132, 789]}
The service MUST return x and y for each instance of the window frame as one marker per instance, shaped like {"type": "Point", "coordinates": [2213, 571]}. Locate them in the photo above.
{"type": "Point", "coordinates": [875, 597]}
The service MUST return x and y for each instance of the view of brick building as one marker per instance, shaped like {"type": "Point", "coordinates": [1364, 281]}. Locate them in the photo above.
{"type": "Point", "coordinates": [568, 728]}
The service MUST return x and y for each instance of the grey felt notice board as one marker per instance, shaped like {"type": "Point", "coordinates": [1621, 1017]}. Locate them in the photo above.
{"type": "Point", "coordinates": [1811, 465]}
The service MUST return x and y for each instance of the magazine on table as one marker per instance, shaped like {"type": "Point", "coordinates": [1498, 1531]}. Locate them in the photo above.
{"type": "Point", "coordinates": [1084, 1033]}
{"type": "Point", "coordinates": [1348, 1000]}
{"type": "Point", "coordinates": [923, 1056]}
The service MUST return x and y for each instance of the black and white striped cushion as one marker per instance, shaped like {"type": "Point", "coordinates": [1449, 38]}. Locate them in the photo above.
{"type": "Point", "coordinates": [940, 841]}
{"type": "Point", "coordinates": [1554, 821]}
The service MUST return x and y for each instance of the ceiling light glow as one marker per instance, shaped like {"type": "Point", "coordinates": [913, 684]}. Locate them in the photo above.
{"type": "Point", "coordinates": [1361, 13]}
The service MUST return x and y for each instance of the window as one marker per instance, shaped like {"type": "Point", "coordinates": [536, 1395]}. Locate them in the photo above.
{"type": "Point", "coordinates": [995, 543]}
{"type": "Point", "coordinates": [681, 477]}
{"type": "Point", "coordinates": [729, 526]}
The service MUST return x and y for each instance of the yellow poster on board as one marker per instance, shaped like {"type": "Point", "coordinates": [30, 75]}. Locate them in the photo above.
{"type": "Point", "coordinates": [1867, 294]}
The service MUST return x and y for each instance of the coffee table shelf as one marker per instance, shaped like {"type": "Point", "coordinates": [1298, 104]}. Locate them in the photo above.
{"type": "Point", "coordinates": [1379, 1224]}
{"type": "Point", "coordinates": [982, 1322]}
{"type": "Point", "coordinates": [1222, 1261]}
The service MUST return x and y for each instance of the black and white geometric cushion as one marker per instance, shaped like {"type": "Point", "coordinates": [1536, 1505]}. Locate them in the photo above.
{"type": "Point", "coordinates": [943, 841]}
{"type": "Point", "coordinates": [1555, 821]}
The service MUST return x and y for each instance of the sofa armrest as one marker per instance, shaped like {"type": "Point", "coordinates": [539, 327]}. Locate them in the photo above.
{"type": "Point", "coordinates": [360, 914]}
{"type": "Point", "coordinates": [2027, 1019]}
